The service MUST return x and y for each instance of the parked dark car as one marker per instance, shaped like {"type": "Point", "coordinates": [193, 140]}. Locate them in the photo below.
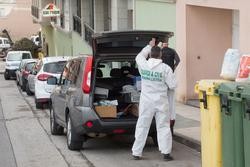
{"type": "Point", "coordinates": [23, 71]}
{"type": "Point", "coordinates": [98, 94]}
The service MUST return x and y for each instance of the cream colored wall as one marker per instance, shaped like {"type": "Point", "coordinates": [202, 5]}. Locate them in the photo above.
{"type": "Point", "coordinates": [181, 35]}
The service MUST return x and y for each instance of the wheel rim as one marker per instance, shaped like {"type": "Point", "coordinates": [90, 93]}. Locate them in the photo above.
{"type": "Point", "coordinates": [52, 119]}
{"type": "Point", "coordinates": [69, 131]}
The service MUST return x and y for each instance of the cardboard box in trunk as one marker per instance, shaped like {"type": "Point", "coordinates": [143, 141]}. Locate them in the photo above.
{"type": "Point", "coordinates": [106, 111]}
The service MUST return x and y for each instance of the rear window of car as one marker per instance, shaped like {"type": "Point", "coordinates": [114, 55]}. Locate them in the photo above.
{"type": "Point", "coordinates": [6, 42]}
{"type": "Point", "coordinates": [55, 67]}
{"type": "Point", "coordinates": [30, 66]}
{"type": "Point", "coordinates": [17, 56]}
{"type": "Point", "coordinates": [26, 56]}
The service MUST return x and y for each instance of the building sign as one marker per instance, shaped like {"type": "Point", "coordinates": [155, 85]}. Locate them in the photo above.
{"type": "Point", "coordinates": [51, 10]}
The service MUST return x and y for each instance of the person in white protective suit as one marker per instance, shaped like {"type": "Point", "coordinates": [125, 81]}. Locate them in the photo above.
{"type": "Point", "coordinates": [171, 58]}
{"type": "Point", "coordinates": [157, 78]}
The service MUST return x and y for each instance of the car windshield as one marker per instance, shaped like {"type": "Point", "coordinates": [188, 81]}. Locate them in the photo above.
{"type": "Point", "coordinates": [29, 66]}
{"type": "Point", "coordinates": [18, 56]}
{"type": "Point", "coordinates": [55, 67]}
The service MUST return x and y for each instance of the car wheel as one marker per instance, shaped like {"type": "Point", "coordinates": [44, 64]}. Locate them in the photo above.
{"type": "Point", "coordinates": [6, 76]}
{"type": "Point", "coordinates": [55, 128]}
{"type": "Point", "coordinates": [39, 105]}
{"type": "Point", "coordinates": [29, 93]}
{"type": "Point", "coordinates": [73, 140]}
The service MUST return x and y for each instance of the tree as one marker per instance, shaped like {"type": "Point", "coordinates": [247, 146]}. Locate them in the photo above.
{"type": "Point", "coordinates": [25, 44]}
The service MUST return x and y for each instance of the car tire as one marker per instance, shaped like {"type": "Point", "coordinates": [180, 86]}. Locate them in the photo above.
{"type": "Point", "coordinates": [39, 105]}
{"type": "Point", "coordinates": [6, 76]}
{"type": "Point", "coordinates": [55, 128]}
{"type": "Point", "coordinates": [73, 140]}
{"type": "Point", "coordinates": [29, 93]}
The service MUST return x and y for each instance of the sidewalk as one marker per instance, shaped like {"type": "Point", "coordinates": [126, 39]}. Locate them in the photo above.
{"type": "Point", "coordinates": [187, 125]}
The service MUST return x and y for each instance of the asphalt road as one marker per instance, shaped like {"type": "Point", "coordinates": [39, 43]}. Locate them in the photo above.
{"type": "Point", "coordinates": [27, 142]}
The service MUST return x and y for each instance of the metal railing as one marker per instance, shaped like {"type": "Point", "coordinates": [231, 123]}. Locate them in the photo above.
{"type": "Point", "coordinates": [88, 33]}
{"type": "Point", "coordinates": [77, 25]}
{"type": "Point", "coordinates": [35, 11]}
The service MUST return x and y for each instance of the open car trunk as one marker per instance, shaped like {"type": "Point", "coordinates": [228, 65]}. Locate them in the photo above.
{"type": "Point", "coordinates": [117, 88]}
{"type": "Point", "coordinates": [117, 82]}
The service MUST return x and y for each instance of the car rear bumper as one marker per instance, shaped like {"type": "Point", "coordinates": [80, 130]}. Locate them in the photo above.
{"type": "Point", "coordinates": [112, 127]}
{"type": "Point", "coordinates": [40, 92]}
{"type": "Point", "coordinates": [11, 73]}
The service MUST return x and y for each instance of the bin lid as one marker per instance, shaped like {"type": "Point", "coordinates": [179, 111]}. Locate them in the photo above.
{"type": "Point", "coordinates": [208, 85]}
{"type": "Point", "coordinates": [233, 90]}
{"type": "Point", "coordinates": [245, 90]}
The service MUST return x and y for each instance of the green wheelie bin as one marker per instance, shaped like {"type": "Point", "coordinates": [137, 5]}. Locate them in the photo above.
{"type": "Point", "coordinates": [232, 124]}
{"type": "Point", "coordinates": [246, 122]}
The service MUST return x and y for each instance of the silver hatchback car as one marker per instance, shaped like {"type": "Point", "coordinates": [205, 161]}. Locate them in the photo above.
{"type": "Point", "coordinates": [98, 94]}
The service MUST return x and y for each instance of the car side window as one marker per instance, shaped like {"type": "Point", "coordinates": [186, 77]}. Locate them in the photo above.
{"type": "Point", "coordinates": [1, 42]}
{"type": "Point", "coordinates": [37, 67]}
{"type": "Point", "coordinates": [74, 70]}
{"type": "Point", "coordinates": [64, 79]}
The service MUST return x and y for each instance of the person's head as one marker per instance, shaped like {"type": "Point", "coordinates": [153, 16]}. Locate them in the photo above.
{"type": "Point", "coordinates": [155, 52]}
{"type": "Point", "coordinates": [165, 44]}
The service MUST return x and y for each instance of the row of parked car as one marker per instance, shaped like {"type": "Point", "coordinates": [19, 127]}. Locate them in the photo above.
{"type": "Point", "coordinates": [86, 93]}
{"type": "Point", "coordinates": [31, 74]}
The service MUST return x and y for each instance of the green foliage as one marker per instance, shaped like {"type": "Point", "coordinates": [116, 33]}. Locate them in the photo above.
{"type": "Point", "coordinates": [25, 44]}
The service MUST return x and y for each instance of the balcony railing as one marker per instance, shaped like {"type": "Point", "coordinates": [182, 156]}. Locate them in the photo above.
{"type": "Point", "coordinates": [77, 25]}
{"type": "Point", "coordinates": [35, 11]}
{"type": "Point", "coordinates": [88, 32]}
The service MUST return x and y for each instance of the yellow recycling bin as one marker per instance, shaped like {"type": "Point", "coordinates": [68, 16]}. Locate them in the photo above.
{"type": "Point", "coordinates": [211, 148]}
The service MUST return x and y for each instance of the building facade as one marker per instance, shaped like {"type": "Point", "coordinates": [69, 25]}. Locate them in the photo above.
{"type": "Point", "coordinates": [205, 30]}
{"type": "Point", "coordinates": [16, 18]}
{"type": "Point", "coordinates": [70, 33]}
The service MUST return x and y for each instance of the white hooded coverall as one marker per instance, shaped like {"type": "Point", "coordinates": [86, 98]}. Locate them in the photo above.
{"type": "Point", "coordinates": [157, 78]}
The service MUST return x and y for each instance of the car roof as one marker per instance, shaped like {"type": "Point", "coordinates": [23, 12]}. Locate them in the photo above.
{"type": "Point", "coordinates": [4, 38]}
{"type": "Point", "coordinates": [29, 60]}
{"type": "Point", "coordinates": [54, 59]}
{"type": "Point", "coordinates": [19, 51]}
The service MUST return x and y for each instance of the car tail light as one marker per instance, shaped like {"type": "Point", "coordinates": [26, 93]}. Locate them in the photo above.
{"type": "Point", "coordinates": [89, 124]}
{"type": "Point", "coordinates": [43, 77]}
{"type": "Point", "coordinates": [87, 75]}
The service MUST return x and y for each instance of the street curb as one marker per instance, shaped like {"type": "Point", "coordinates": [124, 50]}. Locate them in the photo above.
{"type": "Point", "coordinates": [192, 143]}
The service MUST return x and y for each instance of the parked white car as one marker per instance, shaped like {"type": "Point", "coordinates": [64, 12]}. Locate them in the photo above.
{"type": "Point", "coordinates": [4, 46]}
{"type": "Point", "coordinates": [13, 60]}
{"type": "Point", "coordinates": [35, 39]}
{"type": "Point", "coordinates": [47, 67]}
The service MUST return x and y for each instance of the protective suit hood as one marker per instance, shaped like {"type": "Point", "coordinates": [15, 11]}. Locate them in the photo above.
{"type": "Point", "coordinates": [152, 62]}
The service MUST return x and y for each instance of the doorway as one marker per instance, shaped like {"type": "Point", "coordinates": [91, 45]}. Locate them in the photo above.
{"type": "Point", "coordinates": [209, 35]}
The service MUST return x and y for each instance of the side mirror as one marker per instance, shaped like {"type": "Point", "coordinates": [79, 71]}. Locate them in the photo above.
{"type": "Point", "coordinates": [52, 81]}
{"type": "Point", "coordinates": [34, 72]}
